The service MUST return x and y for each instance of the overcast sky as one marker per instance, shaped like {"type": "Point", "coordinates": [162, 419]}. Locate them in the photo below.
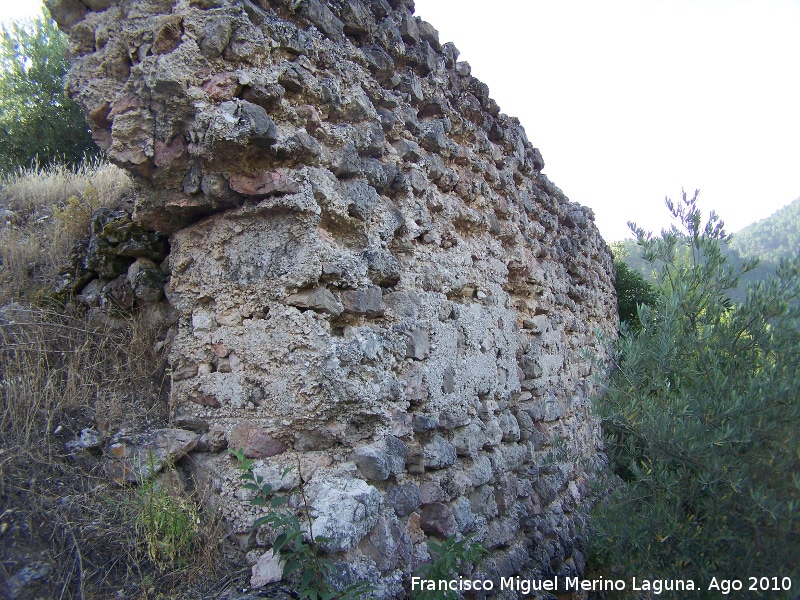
{"type": "Point", "coordinates": [630, 101]}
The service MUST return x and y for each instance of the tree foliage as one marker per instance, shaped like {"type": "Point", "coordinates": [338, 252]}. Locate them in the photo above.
{"type": "Point", "coordinates": [38, 122]}
{"type": "Point", "coordinates": [633, 290]}
{"type": "Point", "coordinates": [701, 417]}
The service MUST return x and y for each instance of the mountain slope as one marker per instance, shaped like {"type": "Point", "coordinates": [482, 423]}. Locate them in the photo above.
{"type": "Point", "coordinates": [769, 240]}
{"type": "Point", "coordinates": [772, 238]}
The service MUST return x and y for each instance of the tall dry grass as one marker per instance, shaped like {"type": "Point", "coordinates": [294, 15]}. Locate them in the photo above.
{"type": "Point", "coordinates": [59, 375]}
{"type": "Point", "coordinates": [43, 213]}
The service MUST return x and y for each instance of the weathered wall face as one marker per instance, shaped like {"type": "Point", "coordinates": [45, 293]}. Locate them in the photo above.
{"type": "Point", "coordinates": [374, 278]}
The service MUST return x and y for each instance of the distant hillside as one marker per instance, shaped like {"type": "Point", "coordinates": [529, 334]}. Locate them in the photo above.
{"type": "Point", "coordinates": [772, 238]}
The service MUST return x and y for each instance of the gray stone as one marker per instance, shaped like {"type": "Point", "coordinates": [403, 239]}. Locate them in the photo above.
{"type": "Point", "coordinates": [135, 458]}
{"type": "Point", "coordinates": [416, 390]}
{"type": "Point", "coordinates": [418, 345]}
{"type": "Point", "coordinates": [388, 544]}
{"type": "Point", "coordinates": [90, 294]}
{"type": "Point", "coordinates": [383, 268]}
{"type": "Point", "coordinates": [408, 150]}
{"type": "Point", "coordinates": [117, 293]}
{"type": "Point", "coordinates": [481, 471]}
{"type": "Point", "coordinates": [28, 577]}
{"type": "Point", "coordinates": [448, 387]}
{"type": "Point", "coordinates": [403, 304]}
{"type": "Point", "coordinates": [404, 498]}
{"type": "Point", "coordinates": [215, 37]}
{"type": "Point", "coordinates": [66, 12]}
{"type": "Point", "coordinates": [88, 439]}
{"type": "Point", "coordinates": [146, 280]}
{"type": "Point", "coordinates": [422, 423]}
{"type": "Point", "coordinates": [454, 417]}
{"type": "Point", "coordinates": [439, 453]}
{"type": "Point", "coordinates": [361, 198]}
{"type": "Point", "coordinates": [380, 460]}
{"type": "Point", "coordinates": [345, 510]}
{"type": "Point", "coordinates": [462, 513]}
{"type": "Point", "coordinates": [469, 440]}
{"type": "Point", "coordinates": [431, 491]}
{"type": "Point", "coordinates": [482, 501]}
{"type": "Point", "coordinates": [501, 532]}
{"type": "Point", "coordinates": [261, 127]}
{"type": "Point", "coordinates": [363, 301]}
{"type": "Point", "coordinates": [321, 16]}
{"type": "Point", "coordinates": [525, 424]}
{"type": "Point", "coordinates": [319, 299]}
{"type": "Point", "coordinates": [509, 427]}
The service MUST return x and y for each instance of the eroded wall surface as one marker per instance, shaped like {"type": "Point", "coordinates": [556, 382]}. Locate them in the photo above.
{"type": "Point", "coordinates": [375, 281]}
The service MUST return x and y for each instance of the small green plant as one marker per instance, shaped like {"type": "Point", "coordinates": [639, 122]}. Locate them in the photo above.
{"type": "Point", "coordinates": [300, 550]}
{"type": "Point", "coordinates": [448, 558]}
{"type": "Point", "coordinates": [169, 524]}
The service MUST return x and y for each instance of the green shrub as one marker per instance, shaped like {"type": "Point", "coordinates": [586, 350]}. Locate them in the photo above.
{"type": "Point", "coordinates": [169, 524]}
{"type": "Point", "coordinates": [39, 124]}
{"type": "Point", "coordinates": [633, 290]}
{"type": "Point", "coordinates": [701, 418]}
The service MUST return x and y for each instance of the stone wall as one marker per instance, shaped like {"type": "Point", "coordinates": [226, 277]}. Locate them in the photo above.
{"type": "Point", "coordinates": [375, 281]}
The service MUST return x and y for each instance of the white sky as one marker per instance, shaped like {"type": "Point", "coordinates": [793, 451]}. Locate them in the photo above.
{"type": "Point", "coordinates": [632, 100]}
{"type": "Point", "coordinates": [19, 9]}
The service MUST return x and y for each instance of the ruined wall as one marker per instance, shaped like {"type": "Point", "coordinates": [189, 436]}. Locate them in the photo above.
{"type": "Point", "coordinates": [373, 276]}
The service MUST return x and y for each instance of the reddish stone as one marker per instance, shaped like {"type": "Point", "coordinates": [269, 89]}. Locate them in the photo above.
{"type": "Point", "coordinates": [125, 104]}
{"type": "Point", "coordinates": [165, 153]}
{"type": "Point", "coordinates": [205, 400]}
{"type": "Point", "coordinates": [222, 86]}
{"type": "Point", "coordinates": [438, 519]}
{"type": "Point", "coordinates": [264, 184]}
{"type": "Point", "coordinates": [255, 442]}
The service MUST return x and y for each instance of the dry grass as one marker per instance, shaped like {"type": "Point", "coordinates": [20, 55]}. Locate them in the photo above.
{"type": "Point", "coordinates": [58, 376]}
{"type": "Point", "coordinates": [43, 213]}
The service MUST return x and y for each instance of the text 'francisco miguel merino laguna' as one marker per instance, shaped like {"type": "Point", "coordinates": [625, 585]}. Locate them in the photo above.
{"type": "Point", "coordinates": [555, 584]}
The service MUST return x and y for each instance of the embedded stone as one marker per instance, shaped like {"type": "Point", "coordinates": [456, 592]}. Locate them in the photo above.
{"type": "Point", "coordinates": [437, 519]}
{"type": "Point", "coordinates": [117, 293]}
{"type": "Point", "coordinates": [404, 498]}
{"type": "Point", "coordinates": [380, 460]}
{"type": "Point", "coordinates": [263, 184]}
{"type": "Point", "coordinates": [363, 301]}
{"type": "Point", "coordinates": [469, 440]}
{"type": "Point", "coordinates": [361, 199]}
{"type": "Point", "coordinates": [255, 442]}
{"type": "Point", "coordinates": [146, 280]}
{"type": "Point", "coordinates": [439, 453]}
{"type": "Point", "coordinates": [268, 569]}
{"type": "Point", "coordinates": [418, 345]}
{"type": "Point", "coordinates": [319, 299]}
{"type": "Point", "coordinates": [388, 543]}
{"type": "Point", "coordinates": [345, 510]}
{"type": "Point", "coordinates": [509, 426]}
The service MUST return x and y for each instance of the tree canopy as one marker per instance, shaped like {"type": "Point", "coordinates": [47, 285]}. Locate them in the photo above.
{"type": "Point", "coordinates": [700, 418]}
{"type": "Point", "coordinates": [38, 121]}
